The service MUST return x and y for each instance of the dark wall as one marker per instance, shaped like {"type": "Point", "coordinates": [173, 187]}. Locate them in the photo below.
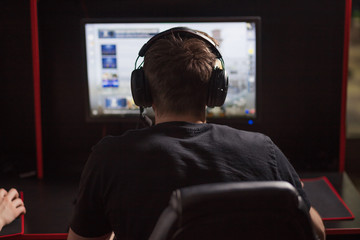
{"type": "Point", "coordinates": [302, 44]}
{"type": "Point", "coordinates": [17, 139]}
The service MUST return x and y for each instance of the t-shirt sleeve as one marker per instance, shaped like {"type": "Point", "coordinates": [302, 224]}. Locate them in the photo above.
{"type": "Point", "coordinates": [287, 173]}
{"type": "Point", "coordinates": [89, 218]}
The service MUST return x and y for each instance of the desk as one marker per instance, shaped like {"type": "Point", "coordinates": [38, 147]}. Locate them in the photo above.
{"type": "Point", "coordinates": [344, 229]}
{"type": "Point", "coordinates": [50, 204]}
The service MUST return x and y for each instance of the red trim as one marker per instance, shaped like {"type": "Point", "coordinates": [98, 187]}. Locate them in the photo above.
{"type": "Point", "coordinates": [338, 231]}
{"type": "Point", "coordinates": [10, 236]}
{"type": "Point", "coordinates": [36, 75]}
{"type": "Point", "coordinates": [22, 216]}
{"type": "Point", "coordinates": [344, 85]}
{"type": "Point", "coordinates": [45, 236]}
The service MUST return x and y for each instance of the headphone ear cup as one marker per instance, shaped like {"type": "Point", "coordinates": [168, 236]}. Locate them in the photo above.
{"type": "Point", "coordinates": [218, 86]}
{"type": "Point", "coordinates": [140, 88]}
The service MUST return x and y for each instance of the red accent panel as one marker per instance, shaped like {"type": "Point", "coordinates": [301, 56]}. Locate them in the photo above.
{"type": "Point", "coordinates": [344, 84]}
{"type": "Point", "coordinates": [36, 76]}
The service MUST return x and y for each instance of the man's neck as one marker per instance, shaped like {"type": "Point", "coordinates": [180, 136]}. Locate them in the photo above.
{"type": "Point", "coordinates": [179, 118]}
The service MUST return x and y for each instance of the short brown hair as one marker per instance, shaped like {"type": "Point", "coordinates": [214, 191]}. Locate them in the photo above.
{"type": "Point", "coordinates": [178, 71]}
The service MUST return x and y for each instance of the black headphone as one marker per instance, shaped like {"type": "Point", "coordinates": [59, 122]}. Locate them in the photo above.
{"type": "Point", "coordinates": [218, 83]}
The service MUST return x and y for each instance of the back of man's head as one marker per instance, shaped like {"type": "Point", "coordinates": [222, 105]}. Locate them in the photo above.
{"type": "Point", "coordinates": [178, 71]}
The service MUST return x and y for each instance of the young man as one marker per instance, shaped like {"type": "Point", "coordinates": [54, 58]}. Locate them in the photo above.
{"type": "Point", "coordinates": [128, 179]}
{"type": "Point", "coordinates": [11, 206]}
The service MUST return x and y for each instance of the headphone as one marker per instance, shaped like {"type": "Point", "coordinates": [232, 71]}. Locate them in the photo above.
{"type": "Point", "coordinates": [218, 83]}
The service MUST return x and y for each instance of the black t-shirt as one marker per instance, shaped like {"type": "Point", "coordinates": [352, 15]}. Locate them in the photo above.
{"type": "Point", "coordinates": [128, 179]}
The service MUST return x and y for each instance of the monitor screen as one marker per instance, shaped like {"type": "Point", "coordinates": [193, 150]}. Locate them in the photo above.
{"type": "Point", "coordinates": [112, 48]}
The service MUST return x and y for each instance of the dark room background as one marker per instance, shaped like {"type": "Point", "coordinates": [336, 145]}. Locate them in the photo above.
{"type": "Point", "coordinates": [301, 73]}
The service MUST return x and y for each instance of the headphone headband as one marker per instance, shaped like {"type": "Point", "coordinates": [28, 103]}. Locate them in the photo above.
{"type": "Point", "coordinates": [182, 32]}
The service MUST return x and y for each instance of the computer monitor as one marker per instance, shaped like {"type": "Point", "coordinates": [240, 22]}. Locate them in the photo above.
{"type": "Point", "coordinates": [112, 46]}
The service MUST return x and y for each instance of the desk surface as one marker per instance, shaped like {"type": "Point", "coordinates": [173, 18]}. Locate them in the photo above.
{"type": "Point", "coordinates": [49, 203]}
{"type": "Point", "coordinates": [351, 197]}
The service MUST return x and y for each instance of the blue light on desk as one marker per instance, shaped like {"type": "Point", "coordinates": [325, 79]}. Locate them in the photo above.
{"type": "Point", "coordinates": [250, 122]}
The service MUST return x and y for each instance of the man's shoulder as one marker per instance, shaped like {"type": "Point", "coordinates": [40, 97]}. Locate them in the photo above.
{"type": "Point", "coordinates": [123, 140]}
{"type": "Point", "coordinates": [228, 131]}
{"type": "Point", "coordinates": [253, 143]}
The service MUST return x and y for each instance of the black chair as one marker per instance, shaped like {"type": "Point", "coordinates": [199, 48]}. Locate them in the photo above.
{"type": "Point", "coordinates": [242, 210]}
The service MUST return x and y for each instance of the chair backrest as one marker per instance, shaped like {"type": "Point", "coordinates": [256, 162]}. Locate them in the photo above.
{"type": "Point", "coordinates": [241, 210]}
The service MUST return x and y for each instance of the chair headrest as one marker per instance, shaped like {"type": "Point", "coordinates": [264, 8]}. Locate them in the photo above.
{"type": "Point", "coordinates": [278, 193]}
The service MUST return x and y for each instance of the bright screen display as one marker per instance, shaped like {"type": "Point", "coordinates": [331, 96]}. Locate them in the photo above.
{"type": "Point", "coordinates": [112, 48]}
